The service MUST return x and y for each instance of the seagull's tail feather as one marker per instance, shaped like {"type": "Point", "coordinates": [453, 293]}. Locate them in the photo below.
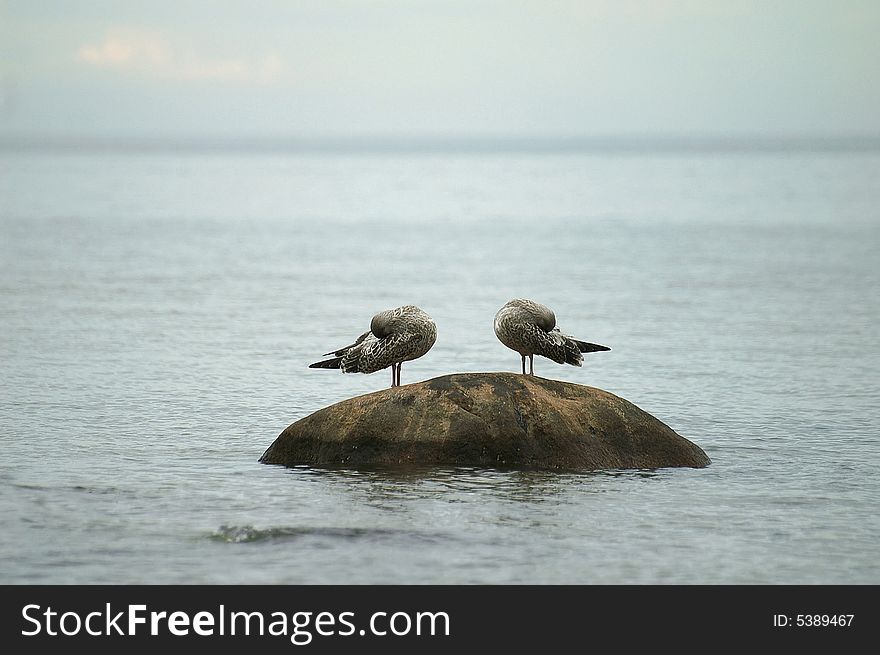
{"type": "Point", "coordinates": [341, 351]}
{"type": "Point", "coordinates": [335, 362]}
{"type": "Point", "coordinates": [573, 356]}
{"type": "Point", "coordinates": [574, 349]}
{"type": "Point", "coordinates": [350, 365]}
{"type": "Point", "coordinates": [345, 349]}
{"type": "Point", "coordinates": [585, 347]}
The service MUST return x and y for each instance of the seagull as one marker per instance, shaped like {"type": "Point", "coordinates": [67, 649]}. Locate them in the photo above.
{"type": "Point", "coordinates": [530, 329]}
{"type": "Point", "coordinates": [395, 336]}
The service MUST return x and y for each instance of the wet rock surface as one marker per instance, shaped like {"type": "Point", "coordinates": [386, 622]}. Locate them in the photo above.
{"type": "Point", "coordinates": [485, 419]}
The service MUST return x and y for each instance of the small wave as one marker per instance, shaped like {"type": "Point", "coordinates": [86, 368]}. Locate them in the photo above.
{"type": "Point", "coordinates": [76, 487]}
{"type": "Point", "coordinates": [242, 534]}
{"type": "Point", "coordinates": [31, 487]}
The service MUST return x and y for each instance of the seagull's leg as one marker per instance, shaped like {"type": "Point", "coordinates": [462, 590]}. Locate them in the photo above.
{"type": "Point", "coordinates": [531, 364]}
{"type": "Point", "coordinates": [523, 363]}
{"type": "Point", "coordinates": [399, 365]}
{"type": "Point", "coordinates": [394, 375]}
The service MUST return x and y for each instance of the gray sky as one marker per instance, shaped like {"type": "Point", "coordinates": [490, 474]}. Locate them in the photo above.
{"type": "Point", "coordinates": [433, 68]}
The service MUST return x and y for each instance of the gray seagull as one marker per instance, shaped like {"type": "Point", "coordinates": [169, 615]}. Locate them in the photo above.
{"type": "Point", "coordinates": [395, 336]}
{"type": "Point", "coordinates": [530, 329]}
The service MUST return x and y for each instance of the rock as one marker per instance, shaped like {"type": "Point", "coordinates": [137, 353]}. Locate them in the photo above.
{"type": "Point", "coordinates": [485, 419]}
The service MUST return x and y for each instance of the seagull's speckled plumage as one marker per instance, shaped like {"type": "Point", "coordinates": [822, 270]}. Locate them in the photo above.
{"type": "Point", "coordinates": [395, 336]}
{"type": "Point", "coordinates": [530, 329]}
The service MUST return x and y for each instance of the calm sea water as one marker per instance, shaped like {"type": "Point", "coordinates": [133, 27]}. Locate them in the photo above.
{"type": "Point", "coordinates": [159, 310]}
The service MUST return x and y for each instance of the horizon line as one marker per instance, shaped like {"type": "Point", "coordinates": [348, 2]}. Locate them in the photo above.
{"type": "Point", "coordinates": [441, 143]}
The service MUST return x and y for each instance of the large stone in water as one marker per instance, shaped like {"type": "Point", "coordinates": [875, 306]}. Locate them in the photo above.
{"type": "Point", "coordinates": [504, 420]}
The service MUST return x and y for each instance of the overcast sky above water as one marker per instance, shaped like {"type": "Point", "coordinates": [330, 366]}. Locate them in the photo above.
{"type": "Point", "coordinates": [415, 68]}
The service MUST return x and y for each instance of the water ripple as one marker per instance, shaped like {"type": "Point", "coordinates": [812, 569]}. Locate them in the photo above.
{"type": "Point", "coordinates": [244, 534]}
